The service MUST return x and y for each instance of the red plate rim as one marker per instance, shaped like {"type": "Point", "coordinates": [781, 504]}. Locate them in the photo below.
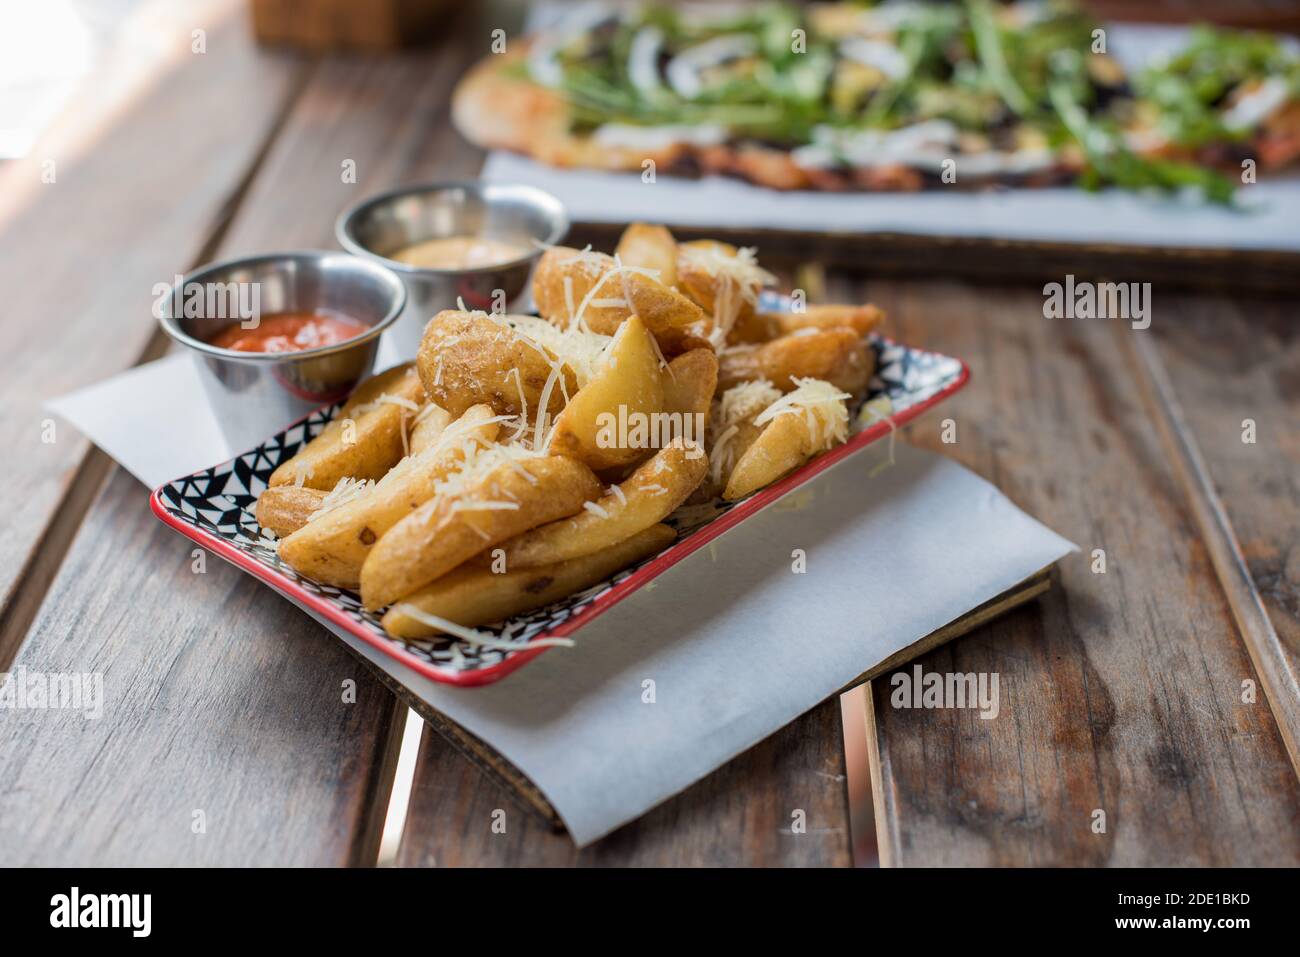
{"type": "Point", "coordinates": [651, 570]}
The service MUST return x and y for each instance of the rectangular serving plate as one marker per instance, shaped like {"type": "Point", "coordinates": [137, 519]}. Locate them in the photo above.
{"type": "Point", "coordinates": [214, 508]}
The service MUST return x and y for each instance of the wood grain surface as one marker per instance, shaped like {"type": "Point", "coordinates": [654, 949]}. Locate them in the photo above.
{"type": "Point", "coordinates": [738, 816]}
{"type": "Point", "coordinates": [1235, 369]}
{"type": "Point", "coordinates": [222, 704]}
{"type": "Point", "coordinates": [78, 261]}
{"type": "Point", "coordinates": [221, 697]}
{"type": "Point", "coordinates": [1121, 692]}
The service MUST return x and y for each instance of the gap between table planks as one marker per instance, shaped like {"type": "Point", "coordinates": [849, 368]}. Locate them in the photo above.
{"type": "Point", "coordinates": [1120, 691]}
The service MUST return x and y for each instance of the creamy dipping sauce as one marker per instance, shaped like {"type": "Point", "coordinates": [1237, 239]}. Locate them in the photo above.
{"type": "Point", "coordinates": [458, 252]}
{"type": "Point", "coordinates": [289, 332]}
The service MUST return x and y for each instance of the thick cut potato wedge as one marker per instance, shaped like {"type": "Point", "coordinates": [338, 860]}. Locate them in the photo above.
{"type": "Point", "coordinates": [284, 508]}
{"type": "Point", "coordinates": [723, 280]}
{"type": "Point", "coordinates": [649, 247]}
{"type": "Point", "coordinates": [627, 388]}
{"type": "Point", "coordinates": [469, 357]}
{"type": "Point", "coordinates": [650, 495]}
{"type": "Point", "coordinates": [451, 528]}
{"type": "Point", "coordinates": [566, 278]}
{"type": "Point", "coordinates": [365, 439]}
{"type": "Point", "coordinates": [766, 326]}
{"type": "Point", "coordinates": [690, 382]}
{"type": "Point", "coordinates": [429, 423]}
{"type": "Point", "coordinates": [788, 440]}
{"type": "Point", "coordinates": [333, 548]}
{"type": "Point", "coordinates": [837, 356]}
{"type": "Point", "coordinates": [732, 431]}
{"type": "Point", "coordinates": [473, 595]}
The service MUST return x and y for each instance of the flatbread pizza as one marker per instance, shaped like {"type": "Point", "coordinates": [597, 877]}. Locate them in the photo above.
{"type": "Point", "coordinates": [901, 95]}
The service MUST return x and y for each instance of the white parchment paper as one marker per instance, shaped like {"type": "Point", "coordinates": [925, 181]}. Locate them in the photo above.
{"type": "Point", "coordinates": [736, 643]}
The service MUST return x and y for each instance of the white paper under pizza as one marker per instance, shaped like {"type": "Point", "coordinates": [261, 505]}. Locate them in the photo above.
{"type": "Point", "coordinates": [1267, 220]}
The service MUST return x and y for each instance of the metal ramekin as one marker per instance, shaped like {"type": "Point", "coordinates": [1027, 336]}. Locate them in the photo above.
{"type": "Point", "coordinates": [253, 394]}
{"type": "Point", "coordinates": [384, 224]}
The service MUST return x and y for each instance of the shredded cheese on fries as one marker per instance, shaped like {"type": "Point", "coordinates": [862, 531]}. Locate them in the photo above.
{"type": "Point", "coordinates": [472, 636]}
{"type": "Point", "coordinates": [745, 400]}
{"type": "Point", "coordinates": [737, 278]}
{"type": "Point", "coordinates": [822, 406]}
{"type": "Point", "coordinates": [344, 491]}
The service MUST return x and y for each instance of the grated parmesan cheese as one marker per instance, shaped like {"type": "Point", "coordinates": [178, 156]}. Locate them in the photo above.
{"type": "Point", "coordinates": [737, 279]}
{"type": "Point", "coordinates": [344, 491]}
{"type": "Point", "coordinates": [611, 267]}
{"type": "Point", "coordinates": [822, 406]}
{"type": "Point", "coordinates": [469, 505]}
{"type": "Point", "coordinates": [745, 400]}
{"type": "Point", "coordinates": [473, 637]}
{"type": "Point", "coordinates": [480, 461]}
{"type": "Point", "coordinates": [720, 456]}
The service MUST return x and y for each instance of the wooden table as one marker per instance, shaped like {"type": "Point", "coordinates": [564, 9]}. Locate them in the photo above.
{"type": "Point", "coordinates": [1122, 690]}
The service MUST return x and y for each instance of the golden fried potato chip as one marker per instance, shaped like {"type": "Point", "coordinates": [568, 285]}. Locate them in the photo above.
{"type": "Point", "coordinates": [837, 356]}
{"type": "Point", "coordinates": [649, 247]}
{"type": "Point", "coordinates": [765, 326]}
{"type": "Point", "coordinates": [365, 439]}
{"type": "Point", "coordinates": [591, 288]}
{"type": "Point", "coordinates": [723, 280]}
{"type": "Point", "coordinates": [796, 427]}
{"type": "Point", "coordinates": [429, 423]}
{"type": "Point", "coordinates": [690, 382]}
{"type": "Point", "coordinates": [650, 495]}
{"type": "Point", "coordinates": [285, 508]}
{"type": "Point", "coordinates": [600, 424]}
{"type": "Point", "coordinates": [474, 595]}
{"type": "Point", "coordinates": [470, 357]}
{"type": "Point", "coordinates": [333, 546]}
{"type": "Point", "coordinates": [496, 497]}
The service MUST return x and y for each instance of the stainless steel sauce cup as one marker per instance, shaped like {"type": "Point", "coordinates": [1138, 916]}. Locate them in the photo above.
{"type": "Point", "coordinates": [383, 225]}
{"type": "Point", "coordinates": [253, 394]}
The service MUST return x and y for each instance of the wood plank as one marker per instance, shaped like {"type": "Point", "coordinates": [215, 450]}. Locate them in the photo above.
{"type": "Point", "coordinates": [1230, 364]}
{"type": "Point", "coordinates": [738, 816]}
{"type": "Point", "coordinates": [388, 115]}
{"type": "Point", "coordinates": [79, 256]}
{"type": "Point", "coordinates": [1120, 691]}
{"type": "Point", "coordinates": [254, 723]}
{"type": "Point", "coordinates": [238, 714]}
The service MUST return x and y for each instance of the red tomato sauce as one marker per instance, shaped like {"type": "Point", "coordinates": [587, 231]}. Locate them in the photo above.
{"type": "Point", "coordinates": [289, 332]}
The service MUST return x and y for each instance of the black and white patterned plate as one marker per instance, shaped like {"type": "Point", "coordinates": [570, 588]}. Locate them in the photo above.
{"type": "Point", "coordinates": [214, 507]}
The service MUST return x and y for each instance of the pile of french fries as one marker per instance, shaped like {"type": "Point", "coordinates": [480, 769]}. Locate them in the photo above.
{"type": "Point", "coordinates": [522, 458]}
